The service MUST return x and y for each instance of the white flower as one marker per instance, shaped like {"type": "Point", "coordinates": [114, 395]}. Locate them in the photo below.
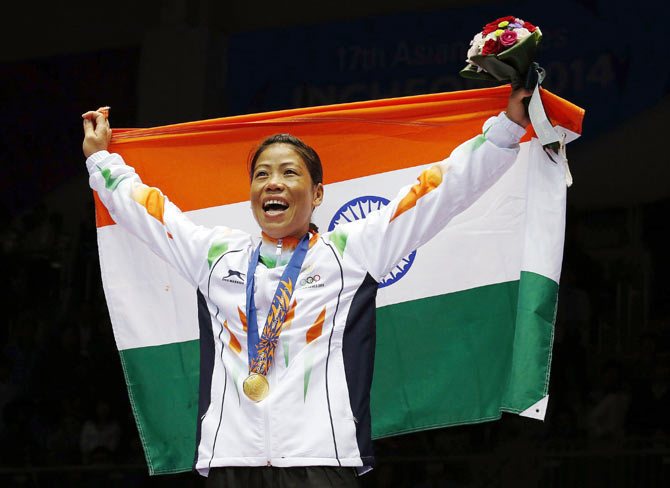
{"type": "Point", "coordinates": [477, 39]}
{"type": "Point", "coordinates": [490, 35]}
{"type": "Point", "coordinates": [521, 33]}
{"type": "Point", "coordinates": [476, 47]}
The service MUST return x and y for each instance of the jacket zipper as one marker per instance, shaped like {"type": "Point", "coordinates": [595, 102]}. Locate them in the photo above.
{"type": "Point", "coordinates": [266, 407]}
{"type": "Point", "coordinates": [268, 430]}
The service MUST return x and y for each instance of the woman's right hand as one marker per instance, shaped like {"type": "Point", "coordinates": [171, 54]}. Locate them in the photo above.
{"type": "Point", "coordinates": [97, 132]}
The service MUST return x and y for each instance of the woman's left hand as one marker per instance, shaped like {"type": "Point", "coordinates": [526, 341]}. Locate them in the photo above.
{"type": "Point", "coordinates": [517, 111]}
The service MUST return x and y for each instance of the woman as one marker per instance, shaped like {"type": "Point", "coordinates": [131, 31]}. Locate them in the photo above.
{"type": "Point", "coordinates": [305, 411]}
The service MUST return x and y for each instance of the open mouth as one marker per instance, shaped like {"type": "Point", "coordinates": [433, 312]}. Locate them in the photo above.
{"type": "Point", "coordinates": [274, 207]}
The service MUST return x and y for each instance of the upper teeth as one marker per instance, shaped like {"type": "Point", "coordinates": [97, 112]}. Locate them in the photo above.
{"type": "Point", "coordinates": [274, 202]}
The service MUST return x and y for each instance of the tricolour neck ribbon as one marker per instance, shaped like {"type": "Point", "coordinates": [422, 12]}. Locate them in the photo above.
{"type": "Point", "coordinates": [261, 351]}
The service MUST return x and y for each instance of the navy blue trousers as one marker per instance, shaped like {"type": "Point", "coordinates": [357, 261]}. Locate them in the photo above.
{"type": "Point", "coordinates": [300, 476]}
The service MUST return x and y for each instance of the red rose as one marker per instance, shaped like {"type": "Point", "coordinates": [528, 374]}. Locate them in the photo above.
{"type": "Point", "coordinates": [491, 26]}
{"type": "Point", "coordinates": [529, 26]}
{"type": "Point", "coordinates": [492, 46]}
{"type": "Point", "coordinates": [488, 28]}
{"type": "Point", "coordinates": [509, 18]}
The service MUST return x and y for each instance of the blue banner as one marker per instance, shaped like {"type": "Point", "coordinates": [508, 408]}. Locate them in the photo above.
{"type": "Point", "coordinates": [599, 58]}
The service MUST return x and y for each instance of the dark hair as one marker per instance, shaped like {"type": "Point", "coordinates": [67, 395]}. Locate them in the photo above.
{"type": "Point", "coordinates": [306, 152]}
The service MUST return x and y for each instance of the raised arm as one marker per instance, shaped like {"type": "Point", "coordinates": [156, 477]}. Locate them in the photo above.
{"type": "Point", "coordinates": [444, 190]}
{"type": "Point", "coordinates": [143, 211]}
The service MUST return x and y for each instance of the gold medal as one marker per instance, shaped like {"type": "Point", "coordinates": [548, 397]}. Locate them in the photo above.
{"type": "Point", "coordinates": [256, 387]}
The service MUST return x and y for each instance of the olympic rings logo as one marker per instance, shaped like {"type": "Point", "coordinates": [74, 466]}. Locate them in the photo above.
{"type": "Point", "coordinates": [310, 280]}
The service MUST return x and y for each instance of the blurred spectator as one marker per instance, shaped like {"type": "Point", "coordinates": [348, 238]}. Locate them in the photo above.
{"type": "Point", "coordinates": [63, 443]}
{"type": "Point", "coordinates": [606, 419]}
{"type": "Point", "coordinates": [432, 475]}
{"type": "Point", "coordinates": [651, 403]}
{"type": "Point", "coordinates": [645, 357]}
{"type": "Point", "coordinates": [387, 474]}
{"type": "Point", "coordinates": [22, 445]}
{"type": "Point", "coordinates": [100, 436]}
{"type": "Point", "coordinates": [21, 349]}
{"type": "Point", "coordinates": [8, 390]}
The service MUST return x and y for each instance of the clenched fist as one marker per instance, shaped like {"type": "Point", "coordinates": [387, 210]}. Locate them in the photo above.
{"type": "Point", "coordinates": [516, 110]}
{"type": "Point", "coordinates": [97, 132]}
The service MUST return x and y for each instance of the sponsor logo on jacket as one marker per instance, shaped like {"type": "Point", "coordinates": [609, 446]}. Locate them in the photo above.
{"type": "Point", "coordinates": [234, 276]}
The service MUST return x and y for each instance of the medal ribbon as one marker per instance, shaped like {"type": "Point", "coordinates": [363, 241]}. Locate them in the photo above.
{"type": "Point", "coordinates": [261, 351]}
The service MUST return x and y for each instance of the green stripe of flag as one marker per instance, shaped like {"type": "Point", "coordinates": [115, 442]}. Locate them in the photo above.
{"type": "Point", "coordinates": [463, 357]}
{"type": "Point", "coordinates": [533, 340]}
{"type": "Point", "coordinates": [163, 387]}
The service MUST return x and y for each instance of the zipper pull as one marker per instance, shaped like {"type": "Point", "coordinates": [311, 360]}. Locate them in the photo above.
{"type": "Point", "coordinates": [280, 244]}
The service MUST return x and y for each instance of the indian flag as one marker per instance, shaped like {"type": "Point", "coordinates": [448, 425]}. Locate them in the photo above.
{"type": "Point", "coordinates": [464, 324]}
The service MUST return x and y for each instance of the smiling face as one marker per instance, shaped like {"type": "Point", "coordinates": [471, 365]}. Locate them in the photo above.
{"type": "Point", "coordinates": [282, 193]}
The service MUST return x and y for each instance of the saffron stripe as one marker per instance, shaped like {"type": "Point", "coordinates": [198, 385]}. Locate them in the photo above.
{"type": "Point", "coordinates": [384, 135]}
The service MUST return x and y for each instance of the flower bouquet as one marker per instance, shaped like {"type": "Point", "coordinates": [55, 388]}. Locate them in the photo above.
{"type": "Point", "coordinates": [504, 51]}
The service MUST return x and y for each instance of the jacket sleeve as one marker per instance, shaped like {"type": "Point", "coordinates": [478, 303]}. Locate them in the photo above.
{"type": "Point", "coordinates": [443, 191]}
{"type": "Point", "coordinates": [148, 214]}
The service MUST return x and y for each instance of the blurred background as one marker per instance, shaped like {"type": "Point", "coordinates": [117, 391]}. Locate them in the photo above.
{"type": "Point", "coordinates": [65, 416]}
